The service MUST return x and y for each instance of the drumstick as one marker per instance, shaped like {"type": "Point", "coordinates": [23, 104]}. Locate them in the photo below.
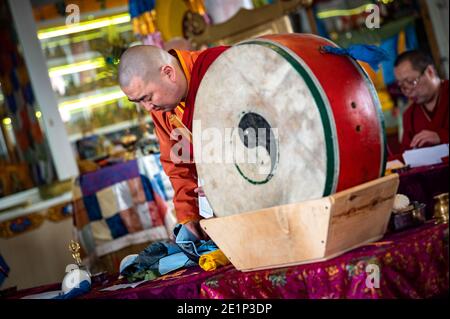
{"type": "Point", "coordinates": [175, 121]}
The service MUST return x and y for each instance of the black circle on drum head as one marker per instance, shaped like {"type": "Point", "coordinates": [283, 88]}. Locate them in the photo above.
{"type": "Point", "coordinates": [254, 130]}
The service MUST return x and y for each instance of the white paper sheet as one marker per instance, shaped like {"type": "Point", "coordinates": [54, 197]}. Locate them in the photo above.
{"type": "Point", "coordinates": [44, 295]}
{"type": "Point", "coordinates": [426, 155]}
{"type": "Point", "coordinates": [123, 286]}
{"type": "Point", "coordinates": [203, 204]}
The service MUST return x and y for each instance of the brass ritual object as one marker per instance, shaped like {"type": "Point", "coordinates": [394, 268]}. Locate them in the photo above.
{"type": "Point", "coordinates": [74, 248]}
{"type": "Point", "coordinates": [441, 208]}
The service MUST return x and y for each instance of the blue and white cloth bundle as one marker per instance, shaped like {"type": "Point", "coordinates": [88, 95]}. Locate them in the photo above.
{"type": "Point", "coordinates": [164, 257]}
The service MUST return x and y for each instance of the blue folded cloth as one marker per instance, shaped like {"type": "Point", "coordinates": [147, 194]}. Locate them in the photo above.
{"type": "Point", "coordinates": [164, 257]}
{"type": "Point", "coordinates": [368, 53]}
{"type": "Point", "coordinates": [84, 287]}
{"type": "Point", "coordinates": [4, 270]}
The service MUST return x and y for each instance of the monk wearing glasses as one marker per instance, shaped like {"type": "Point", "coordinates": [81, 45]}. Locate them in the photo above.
{"type": "Point", "coordinates": [425, 122]}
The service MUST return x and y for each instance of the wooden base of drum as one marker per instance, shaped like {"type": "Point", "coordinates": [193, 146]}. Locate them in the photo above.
{"type": "Point", "coordinates": [306, 232]}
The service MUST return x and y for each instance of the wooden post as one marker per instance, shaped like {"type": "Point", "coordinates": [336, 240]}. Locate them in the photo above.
{"type": "Point", "coordinates": [424, 12]}
{"type": "Point", "coordinates": [312, 20]}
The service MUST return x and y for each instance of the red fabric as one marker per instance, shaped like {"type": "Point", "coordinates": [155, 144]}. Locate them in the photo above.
{"type": "Point", "coordinates": [204, 60]}
{"type": "Point", "coordinates": [402, 258]}
{"type": "Point", "coordinates": [412, 263]}
{"type": "Point", "coordinates": [415, 119]}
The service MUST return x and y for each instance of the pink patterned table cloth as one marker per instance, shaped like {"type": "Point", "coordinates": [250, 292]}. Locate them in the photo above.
{"type": "Point", "coordinates": [412, 264]}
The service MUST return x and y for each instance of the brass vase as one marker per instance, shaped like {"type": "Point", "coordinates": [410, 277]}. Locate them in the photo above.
{"type": "Point", "coordinates": [441, 208]}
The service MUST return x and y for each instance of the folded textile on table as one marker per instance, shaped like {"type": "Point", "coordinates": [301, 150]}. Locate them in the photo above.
{"type": "Point", "coordinates": [84, 287]}
{"type": "Point", "coordinates": [212, 260]}
{"type": "Point", "coordinates": [162, 257]}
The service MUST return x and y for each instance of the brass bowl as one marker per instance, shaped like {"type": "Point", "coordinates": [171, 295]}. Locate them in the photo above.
{"type": "Point", "coordinates": [418, 212]}
{"type": "Point", "coordinates": [441, 208]}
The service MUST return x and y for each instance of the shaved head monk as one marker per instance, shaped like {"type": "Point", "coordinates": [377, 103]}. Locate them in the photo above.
{"type": "Point", "coordinates": [165, 84]}
{"type": "Point", "coordinates": [425, 122]}
{"type": "Point", "coordinates": [153, 78]}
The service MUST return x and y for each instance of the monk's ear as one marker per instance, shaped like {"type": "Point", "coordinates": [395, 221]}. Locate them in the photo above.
{"type": "Point", "coordinates": [168, 70]}
{"type": "Point", "coordinates": [431, 71]}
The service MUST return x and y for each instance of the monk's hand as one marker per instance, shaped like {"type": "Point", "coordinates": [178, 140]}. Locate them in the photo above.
{"type": "Point", "coordinates": [194, 227]}
{"type": "Point", "coordinates": [425, 137]}
{"type": "Point", "coordinates": [199, 191]}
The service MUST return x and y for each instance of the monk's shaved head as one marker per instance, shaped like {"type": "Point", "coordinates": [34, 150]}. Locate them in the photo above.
{"type": "Point", "coordinates": [143, 62]}
{"type": "Point", "coordinates": [152, 77]}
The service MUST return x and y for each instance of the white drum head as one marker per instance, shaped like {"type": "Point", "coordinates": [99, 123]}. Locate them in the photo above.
{"type": "Point", "coordinates": [252, 86]}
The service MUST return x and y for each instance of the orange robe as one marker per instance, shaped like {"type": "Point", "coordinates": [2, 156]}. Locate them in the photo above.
{"type": "Point", "coordinates": [183, 176]}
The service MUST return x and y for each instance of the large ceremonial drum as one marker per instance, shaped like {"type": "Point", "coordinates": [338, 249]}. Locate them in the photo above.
{"type": "Point", "coordinates": [278, 121]}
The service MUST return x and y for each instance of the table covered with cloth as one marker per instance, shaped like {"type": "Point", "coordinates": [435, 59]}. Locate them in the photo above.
{"type": "Point", "coordinates": [412, 263]}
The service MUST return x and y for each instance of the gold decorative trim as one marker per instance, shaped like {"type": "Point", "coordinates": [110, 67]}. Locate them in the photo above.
{"type": "Point", "coordinates": [59, 212]}
{"type": "Point", "coordinates": [244, 20]}
{"type": "Point", "coordinates": [18, 226]}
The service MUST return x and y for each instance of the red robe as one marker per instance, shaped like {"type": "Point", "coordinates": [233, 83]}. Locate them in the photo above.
{"type": "Point", "coordinates": [183, 176]}
{"type": "Point", "coordinates": [416, 119]}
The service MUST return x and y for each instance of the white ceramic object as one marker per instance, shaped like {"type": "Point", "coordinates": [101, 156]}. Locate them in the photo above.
{"type": "Point", "coordinates": [401, 202]}
{"type": "Point", "coordinates": [73, 279]}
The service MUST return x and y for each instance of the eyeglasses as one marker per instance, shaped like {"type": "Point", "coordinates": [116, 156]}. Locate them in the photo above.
{"type": "Point", "coordinates": [410, 84]}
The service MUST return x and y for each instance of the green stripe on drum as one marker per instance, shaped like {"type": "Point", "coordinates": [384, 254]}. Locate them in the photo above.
{"type": "Point", "coordinates": [251, 181]}
{"type": "Point", "coordinates": [326, 123]}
